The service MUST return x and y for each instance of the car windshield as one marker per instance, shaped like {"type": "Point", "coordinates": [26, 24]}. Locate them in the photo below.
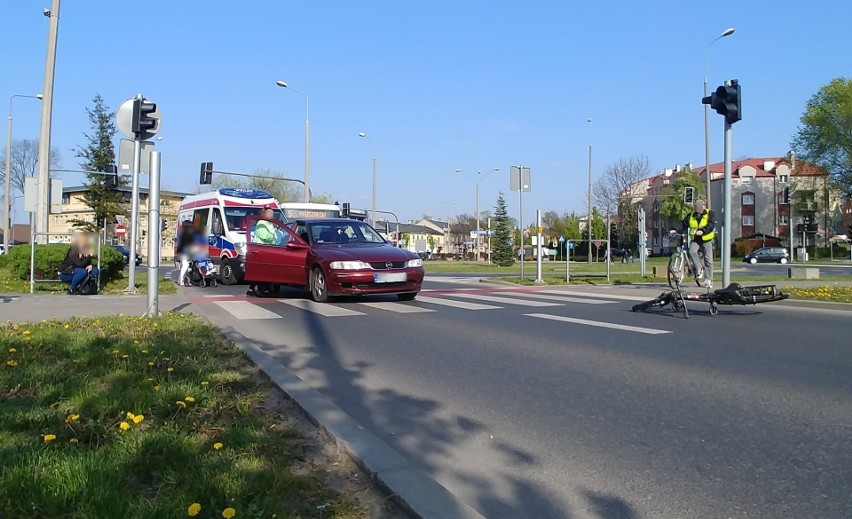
{"type": "Point", "coordinates": [328, 233]}
{"type": "Point", "coordinates": [237, 217]}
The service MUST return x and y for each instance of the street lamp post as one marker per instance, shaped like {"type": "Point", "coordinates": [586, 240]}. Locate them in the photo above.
{"type": "Point", "coordinates": [43, 201]}
{"type": "Point", "coordinates": [589, 221]}
{"type": "Point", "coordinates": [7, 199]}
{"type": "Point", "coordinates": [364, 136]}
{"type": "Point", "coordinates": [447, 239]}
{"type": "Point", "coordinates": [479, 178]}
{"type": "Point", "coordinates": [283, 84]}
{"type": "Point", "coordinates": [707, 175]}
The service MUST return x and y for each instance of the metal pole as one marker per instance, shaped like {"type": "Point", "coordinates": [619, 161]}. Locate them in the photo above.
{"type": "Point", "coordinates": [489, 241]}
{"type": "Point", "coordinates": [99, 256]}
{"type": "Point", "coordinates": [538, 279]}
{"type": "Point", "coordinates": [608, 243]}
{"type": "Point", "coordinates": [307, 151]}
{"type": "Point", "coordinates": [707, 175]}
{"type": "Point", "coordinates": [726, 230]}
{"type": "Point", "coordinates": [42, 207]}
{"type": "Point", "coordinates": [153, 235]}
{"type": "Point", "coordinates": [7, 200]}
{"type": "Point", "coordinates": [476, 241]}
{"type": "Point", "coordinates": [568, 261]}
{"type": "Point", "coordinates": [134, 211]}
{"type": "Point", "coordinates": [790, 204]}
{"type": "Point", "coordinates": [521, 214]}
{"type": "Point", "coordinates": [32, 259]}
{"type": "Point", "coordinates": [374, 191]}
{"type": "Point", "coordinates": [589, 222]}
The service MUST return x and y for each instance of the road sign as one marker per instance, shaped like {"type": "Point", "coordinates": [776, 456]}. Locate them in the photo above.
{"type": "Point", "coordinates": [561, 238]}
{"type": "Point", "coordinates": [570, 245]}
{"type": "Point", "coordinates": [55, 196]}
{"type": "Point", "coordinates": [519, 176]}
{"type": "Point", "coordinates": [120, 231]}
{"type": "Point", "coordinates": [597, 243]}
{"type": "Point", "coordinates": [125, 157]}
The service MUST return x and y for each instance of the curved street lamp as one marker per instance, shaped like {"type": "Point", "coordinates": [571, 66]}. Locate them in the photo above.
{"type": "Point", "coordinates": [7, 199]}
{"type": "Point", "coordinates": [477, 179]}
{"type": "Point", "coordinates": [707, 175]}
{"type": "Point", "coordinates": [283, 84]}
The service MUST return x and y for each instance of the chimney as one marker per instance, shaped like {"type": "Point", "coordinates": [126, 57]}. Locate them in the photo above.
{"type": "Point", "coordinates": [668, 172]}
{"type": "Point", "coordinates": [689, 165]}
{"type": "Point", "coordinates": [677, 168]}
{"type": "Point", "coordinates": [768, 165]}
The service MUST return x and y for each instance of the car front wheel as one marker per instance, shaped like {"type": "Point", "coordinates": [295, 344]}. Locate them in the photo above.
{"type": "Point", "coordinates": [319, 288]}
{"type": "Point", "coordinates": [753, 261]}
{"type": "Point", "coordinates": [783, 261]}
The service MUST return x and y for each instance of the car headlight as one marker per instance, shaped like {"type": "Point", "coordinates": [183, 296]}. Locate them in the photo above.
{"type": "Point", "coordinates": [349, 265]}
{"type": "Point", "coordinates": [241, 248]}
{"type": "Point", "coordinates": [414, 263]}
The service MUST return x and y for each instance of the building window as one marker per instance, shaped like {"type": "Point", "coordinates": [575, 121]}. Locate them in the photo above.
{"type": "Point", "coordinates": [656, 224]}
{"type": "Point", "coordinates": [781, 199]}
{"type": "Point", "coordinates": [748, 198]}
{"type": "Point", "coordinates": [783, 219]}
{"type": "Point", "coordinates": [66, 199]}
{"type": "Point", "coordinates": [656, 241]}
{"type": "Point", "coordinates": [746, 180]}
{"type": "Point", "coordinates": [748, 220]}
{"type": "Point", "coordinates": [783, 179]}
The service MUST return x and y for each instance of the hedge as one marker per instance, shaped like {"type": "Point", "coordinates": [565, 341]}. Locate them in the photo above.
{"type": "Point", "coordinates": [48, 258]}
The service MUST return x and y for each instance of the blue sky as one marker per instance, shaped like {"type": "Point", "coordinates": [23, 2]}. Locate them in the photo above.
{"type": "Point", "coordinates": [436, 85]}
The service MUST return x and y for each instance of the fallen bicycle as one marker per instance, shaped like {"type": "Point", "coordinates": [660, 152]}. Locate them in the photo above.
{"type": "Point", "coordinates": [733, 294]}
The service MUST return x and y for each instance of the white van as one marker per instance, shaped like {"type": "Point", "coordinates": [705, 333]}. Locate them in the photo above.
{"type": "Point", "coordinates": [222, 217]}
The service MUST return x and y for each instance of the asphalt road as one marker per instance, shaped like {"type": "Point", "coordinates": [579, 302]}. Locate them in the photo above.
{"type": "Point", "coordinates": [582, 408]}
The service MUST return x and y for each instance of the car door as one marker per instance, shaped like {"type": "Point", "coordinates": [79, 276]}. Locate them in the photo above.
{"type": "Point", "coordinates": [282, 262]}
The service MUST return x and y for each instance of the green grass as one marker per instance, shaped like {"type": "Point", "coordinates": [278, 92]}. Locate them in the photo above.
{"type": "Point", "coordinates": [67, 388]}
{"type": "Point", "coordinates": [581, 280]}
{"type": "Point", "coordinates": [837, 294]}
{"type": "Point", "coordinates": [472, 267]}
{"type": "Point", "coordinates": [10, 284]}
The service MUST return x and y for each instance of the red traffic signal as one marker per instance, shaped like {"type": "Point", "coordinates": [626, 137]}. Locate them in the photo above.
{"type": "Point", "coordinates": [727, 101]}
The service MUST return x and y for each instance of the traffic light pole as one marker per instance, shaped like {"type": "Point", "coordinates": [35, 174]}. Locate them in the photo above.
{"type": "Point", "coordinates": [134, 212]}
{"type": "Point", "coordinates": [154, 230]}
{"type": "Point", "coordinates": [726, 208]}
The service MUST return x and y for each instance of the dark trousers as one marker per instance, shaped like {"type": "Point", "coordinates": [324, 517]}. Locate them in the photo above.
{"type": "Point", "coordinates": [77, 277]}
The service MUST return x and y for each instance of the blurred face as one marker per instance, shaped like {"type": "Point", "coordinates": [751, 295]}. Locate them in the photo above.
{"type": "Point", "coordinates": [699, 207]}
{"type": "Point", "coordinates": [267, 214]}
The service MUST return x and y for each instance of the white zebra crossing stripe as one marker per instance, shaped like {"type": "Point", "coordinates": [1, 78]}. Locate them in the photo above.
{"type": "Point", "coordinates": [245, 310]}
{"type": "Point", "coordinates": [506, 300]}
{"type": "Point", "coordinates": [597, 295]}
{"type": "Point", "coordinates": [455, 304]}
{"type": "Point", "coordinates": [556, 298]}
{"type": "Point", "coordinates": [398, 308]}
{"type": "Point", "coordinates": [600, 324]}
{"type": "Point", "coordinates": [323, 309]}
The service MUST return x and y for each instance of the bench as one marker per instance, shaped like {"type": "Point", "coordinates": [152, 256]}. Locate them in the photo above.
{"type": "Point", "coordinates": [803, 273]}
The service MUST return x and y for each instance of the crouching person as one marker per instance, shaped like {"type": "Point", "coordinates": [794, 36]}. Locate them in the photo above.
{"type": "Point", "coordinates": [77, 266]}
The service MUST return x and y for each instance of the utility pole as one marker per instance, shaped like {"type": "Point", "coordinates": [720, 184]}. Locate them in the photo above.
{"type": "Point", "coordinates": [374, 192]}
{"type": "Point", "coordinates": [589, 222]}
{"type": "Point", "coordinates": [726, 225]}
{"type": "Point", "coordinates": [154, 230]}
{"type": "Point", "coordinates": [43, 203]}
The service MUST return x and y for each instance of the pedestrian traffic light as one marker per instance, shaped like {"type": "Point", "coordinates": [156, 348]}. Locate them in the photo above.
{"type": "Point", "coordinates": [111, 176]}
{"type": "Point", "coordinates": [786, 195]}
{"type": "Point", "coordinates": [163, 225]}
{"type": "Point", "coordinates": [345, 210]}
{"type": "Point", "coordinates": [727, 101]}
{"type": "Point", "coordinates": [146, 119]}
{"type": "Point", "coordinates": [206, 173]}
{"type": "Point", "coordinates": [688, 195]}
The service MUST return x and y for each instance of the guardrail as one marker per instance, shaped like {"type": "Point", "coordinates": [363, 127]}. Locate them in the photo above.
{"type": "Point", "coordinates": [47, 235]}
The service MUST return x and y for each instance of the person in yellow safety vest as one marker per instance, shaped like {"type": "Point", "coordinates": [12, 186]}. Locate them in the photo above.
{"type": "Point", "coordinates": [702, 227]}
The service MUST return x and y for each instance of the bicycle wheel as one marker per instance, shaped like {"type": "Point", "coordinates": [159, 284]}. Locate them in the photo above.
{"type": "Point", "coordinates": [675, 270]}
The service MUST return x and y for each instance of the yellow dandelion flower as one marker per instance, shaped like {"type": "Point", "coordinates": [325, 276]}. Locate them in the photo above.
{"type": "Point", "coordinates": [12, 350]}
{"type": "Point", "coordinates": [189, 399]}
{"type": "Point", "coordinates": [124, 426]}
{"type": "Point", "coordinates": [115, 351]}
{"type": "Point", "coordinates": [27, 332]}
{"type": "Point", "coordinates": [150, 363]}
{"type": "Point", "coordinates": [138, 418]}
{"type": "Point", "coordinates": [124, 356]}
{"type": "Point", "coordinates": [193, 509]}
{"type": "Point", "coordinates": [135, 342]}
{"type": "Point", "coordinates": [180, 403]}
{"type": "Point", "coordinates": [170, 370]}
{"type": "Point", "coordinates": [166, 359]}
{"type": "Point", "coordinates": [204, 383]}
{"type": "Point", "coordinates": [72, 418]}
{"type": "Point", "coordinates": [49, 437]}
{"type": "Point", "coordinates": [149, 379]}
{"type": "Point", "coordinates": [144, 351]}
{"type": "Point", "coordinates": [15, 327]}
{"type": "Point", "coordinates": [217, 446]}
{"type": "Point", "coordinates": [66, 326]}
{"type": "Point", "coordinates": [156, 388]}
{"type": "Point", "coordinates": [130, 415]}
{"type": "Point", "coordinates": [228, 513]}
{"type": "Point", "coordinates": [73, 441]}
{"type": "Point", "coordinates": [12, 363]}
{"type": "Point", "coordinates": [162, 352]}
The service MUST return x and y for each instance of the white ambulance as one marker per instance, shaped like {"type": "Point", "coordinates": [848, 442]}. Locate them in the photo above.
{"type": "Point", "coordinates": [222, 216]}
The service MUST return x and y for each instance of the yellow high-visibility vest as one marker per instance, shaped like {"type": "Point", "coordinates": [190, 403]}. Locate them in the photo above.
{"type": "Point", "coordinates": [695, 224]}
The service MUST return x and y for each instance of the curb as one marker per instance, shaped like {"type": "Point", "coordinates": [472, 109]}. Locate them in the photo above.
{"type": "Point", "coordinates": [819, 305]}
{"type": "Point", "coordinates": [414, 490]}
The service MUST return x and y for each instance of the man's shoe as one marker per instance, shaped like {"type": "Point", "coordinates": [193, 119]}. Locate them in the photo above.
{"type": "Point", "coordinates": [707, 283]}
{"type": "Point", "coordinates": [72, 292]}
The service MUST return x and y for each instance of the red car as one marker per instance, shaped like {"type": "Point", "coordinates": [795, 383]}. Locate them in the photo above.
{"type": "Point", "coordinates": [332, 257]}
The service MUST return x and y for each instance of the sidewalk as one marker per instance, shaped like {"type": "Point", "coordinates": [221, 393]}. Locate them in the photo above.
{"type": "Point", "coordinates": [26, 307]}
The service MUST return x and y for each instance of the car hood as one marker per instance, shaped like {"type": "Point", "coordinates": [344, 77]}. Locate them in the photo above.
{"type": "Point", "coordinates": [365, 252]}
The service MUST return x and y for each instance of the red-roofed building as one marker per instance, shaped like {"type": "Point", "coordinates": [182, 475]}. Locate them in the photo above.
{"type": "Point", "coordinates": [757, 193]}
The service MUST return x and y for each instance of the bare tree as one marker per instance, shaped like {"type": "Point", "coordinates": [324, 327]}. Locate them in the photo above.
{"type": "Point", "coordinates": [614, 192]}
{"type": "Point", "coordinates": [24, 162]}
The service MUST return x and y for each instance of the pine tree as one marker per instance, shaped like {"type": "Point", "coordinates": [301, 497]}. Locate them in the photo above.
{"type": "Point", "coordinates": [502, 254]}
{"type": "Point", "coordinates": [98, 153]}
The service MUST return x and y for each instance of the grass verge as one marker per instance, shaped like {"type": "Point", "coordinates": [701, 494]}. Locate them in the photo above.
{"type": "Point", "coordinates": [10, 284]}
{"type": "Point", "coordinates": [582, 280]}
{"type": "Point", "coordinates": [129, 417]}
{"type": "Point", "coordinates": [836, 294]}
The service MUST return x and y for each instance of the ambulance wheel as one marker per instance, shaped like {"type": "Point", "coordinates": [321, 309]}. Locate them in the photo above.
{"type": "Point", "coordinates": [226, 273]}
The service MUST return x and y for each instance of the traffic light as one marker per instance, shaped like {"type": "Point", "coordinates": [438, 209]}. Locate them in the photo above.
{"type": "Point", "coordinates": [786, 195]}
{"type": "Point", "coordinates": [111, 176]}
{"type": "Point", "coordinates": [688, 195]}
{"type": "Point", "coordinates": [206, 173]}
{"type": "Point", "coordinates": [344, 212]}
{"type": "Point", "coordinates": [727, 101]}
{"type": "Point", "coordinates": [163, 225]}
{"type": "Point", "coordinates": [146, 119]}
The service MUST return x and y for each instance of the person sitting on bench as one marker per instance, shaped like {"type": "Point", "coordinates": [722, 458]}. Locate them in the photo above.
{"type": "Point", "coordinates": [77, 265]}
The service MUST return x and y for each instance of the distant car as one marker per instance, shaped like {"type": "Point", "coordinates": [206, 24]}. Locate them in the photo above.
{"type": "Point", "coordinates": [333, 257]}
{"type": "Point", "coordinates": [768, 255]}
{"type": "Point", "coordinates": [125, 251]}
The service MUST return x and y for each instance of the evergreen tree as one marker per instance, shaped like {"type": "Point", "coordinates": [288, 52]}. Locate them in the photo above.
{"type": "Point", "coordinates": [502, 253]}
{"type": "Point", "coordinates": [98, 153]}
